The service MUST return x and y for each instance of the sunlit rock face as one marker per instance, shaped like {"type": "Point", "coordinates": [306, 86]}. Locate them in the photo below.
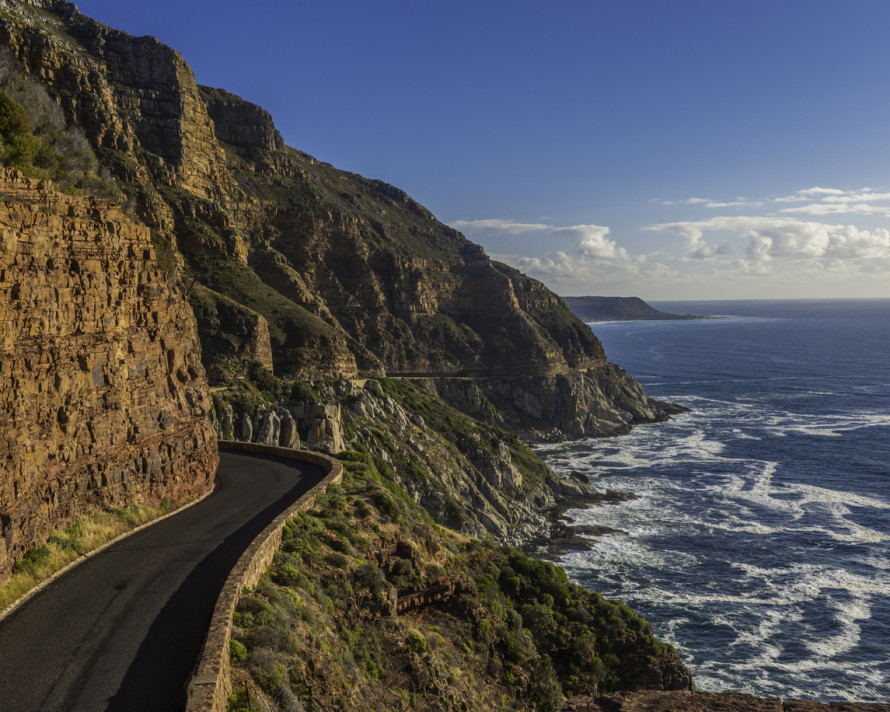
{"type": "Point", "coordinates": [103, 399]}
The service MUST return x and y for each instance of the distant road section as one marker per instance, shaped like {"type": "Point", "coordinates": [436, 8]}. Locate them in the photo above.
{"type": "Point", "coordinates": [123, 630]}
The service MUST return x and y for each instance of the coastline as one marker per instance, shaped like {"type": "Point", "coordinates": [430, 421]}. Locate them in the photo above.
{"type": "Point", "coordinates": [765, 527]}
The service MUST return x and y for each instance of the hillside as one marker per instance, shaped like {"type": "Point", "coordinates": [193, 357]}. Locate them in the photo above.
{"type": "Point", "coordinates": [310, 271]}
{"type": "Point", "coordinates": [332, 310]}
{"type": "Point", "coordinates": [343, 272]}
{"type": "Point", "coordinates": [618, 309]}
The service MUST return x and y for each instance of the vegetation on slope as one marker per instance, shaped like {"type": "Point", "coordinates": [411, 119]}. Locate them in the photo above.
{"type": "Point", "coordinates": [370, 605]}
{"type": "Point", "coordinates": [35, 139]}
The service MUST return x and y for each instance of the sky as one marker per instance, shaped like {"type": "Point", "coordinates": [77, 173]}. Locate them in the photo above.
{"type": "Point", "coordinates": [666, 149]}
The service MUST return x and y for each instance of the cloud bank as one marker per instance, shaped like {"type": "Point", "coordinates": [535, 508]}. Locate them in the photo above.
{"type": "Point", "coordinates": [589, 256]}
{"type": "Point", "coordinates": [763, 239]}
{"type": "Point", "coordinates": [786, 245]}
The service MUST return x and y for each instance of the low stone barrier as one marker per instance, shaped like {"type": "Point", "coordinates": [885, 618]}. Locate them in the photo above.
{"type": "Point", "coordinates": [210, 686]}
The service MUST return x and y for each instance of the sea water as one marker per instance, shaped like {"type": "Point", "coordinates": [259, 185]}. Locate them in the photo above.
{"type": "Point", "coordinates": [760, 543]}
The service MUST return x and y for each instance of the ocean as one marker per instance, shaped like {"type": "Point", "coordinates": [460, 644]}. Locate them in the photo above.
{"type": "Point", "coordinates": [760, 543]}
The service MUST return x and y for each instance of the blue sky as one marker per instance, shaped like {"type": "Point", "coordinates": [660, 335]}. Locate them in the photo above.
{"type": "Point", "coordinates": [667, 149]}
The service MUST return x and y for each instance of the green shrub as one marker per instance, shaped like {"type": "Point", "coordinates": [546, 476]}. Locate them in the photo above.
{"type": "Point", "coordinates": [237, 652]}
{"type": "Point", "coordinates": [544, 688]}
{"type": "Point", "coordinates": [33, 559]}
{"type": "Point", "coordinates": [416, 643]}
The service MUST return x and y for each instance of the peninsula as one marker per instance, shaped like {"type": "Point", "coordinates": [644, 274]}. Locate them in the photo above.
{"type": "Point", "coordinates": [589, 309]}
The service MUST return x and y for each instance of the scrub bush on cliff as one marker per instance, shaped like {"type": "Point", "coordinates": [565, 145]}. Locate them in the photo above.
{"type": "Point", "coordinates": [20, 147]}
{"type": "Point", "coordinates": [36, 139]}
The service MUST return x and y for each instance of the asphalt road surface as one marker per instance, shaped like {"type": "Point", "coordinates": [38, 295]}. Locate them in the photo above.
{"type": "Point", "coordinates": [123, 630]}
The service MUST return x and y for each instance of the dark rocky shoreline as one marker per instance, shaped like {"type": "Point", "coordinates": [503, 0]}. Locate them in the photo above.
{"type": "Point", "coordinates": [682, 701]}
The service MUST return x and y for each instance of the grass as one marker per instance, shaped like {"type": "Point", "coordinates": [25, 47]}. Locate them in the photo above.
{"type": "Point", "coordinates": [88, 532]}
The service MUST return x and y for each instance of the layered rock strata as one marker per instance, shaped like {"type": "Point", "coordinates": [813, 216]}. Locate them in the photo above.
{"type": "Point", "coordinates": [103, 399]}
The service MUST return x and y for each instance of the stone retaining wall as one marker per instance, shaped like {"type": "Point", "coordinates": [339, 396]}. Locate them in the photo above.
{"type": "Point", "coordinates": [210, 685]}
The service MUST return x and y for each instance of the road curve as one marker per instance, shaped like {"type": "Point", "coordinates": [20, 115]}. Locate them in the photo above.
{"type": "Point", "coordinates": [122, 631]}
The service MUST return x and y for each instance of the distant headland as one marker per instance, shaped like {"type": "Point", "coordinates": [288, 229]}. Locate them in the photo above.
{"type": "Point", "coordinates": [620, 309]}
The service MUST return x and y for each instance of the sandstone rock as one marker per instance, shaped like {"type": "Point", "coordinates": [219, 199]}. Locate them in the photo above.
{"type": "Point", "coordinates": [258, 344]}
{"type": "Point", "coordinates": [103, 400]}
{"type": "Point", "coordinates": [595, 402]}
{"type": "Point", "coordinates": [226, 423]}
{"type": "Point", "coordinates": [361, 407]}
{"type": "Point", "coordinates": [269, 430]}
{"type": "Point", "coordinates": [289, 436]}
{"type": "Point", "coordinates": [245, 429]}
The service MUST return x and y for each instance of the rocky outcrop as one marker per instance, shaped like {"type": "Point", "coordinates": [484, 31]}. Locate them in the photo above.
{"type": "Point", "coordinates": [102, 393]}
{"type": "Point", "coordinates": [619, 309]}
{"type": "Point", "coordinates": [124, 91]}
{"type": "Point", "coordinates": [293, 424]}
{"type": "Point", "coordinates": [469, 475]}
{"type": "Point", "coordinates": [596, 402]}
{"type": "Point", "coordinates": [244, 126]}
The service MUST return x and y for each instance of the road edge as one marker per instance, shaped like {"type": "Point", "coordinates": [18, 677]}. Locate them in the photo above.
{"type": "Point", "coordinates": [210, 684]}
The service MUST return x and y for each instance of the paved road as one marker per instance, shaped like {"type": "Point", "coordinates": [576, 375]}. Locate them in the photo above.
{"type": "Point", "coordinates": [123, 630]}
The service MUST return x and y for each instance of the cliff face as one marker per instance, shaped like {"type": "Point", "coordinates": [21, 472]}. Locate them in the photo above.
{"type": "Point", "coordinates": [102, 391]}
{"type": "Point", "coordinates": [348, 273]}
{"type": "Point", "coordinates": [596, 402]}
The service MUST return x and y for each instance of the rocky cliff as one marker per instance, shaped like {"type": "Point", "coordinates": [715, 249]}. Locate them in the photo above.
{"type": "Point", "coordinates": [575, 404]}
{"type": "Point", "coordinates": [102, 393]}
{"type": "Point", "coordinates": [314, 273]}
{"type": "Point", "coordinates": [334, 271]}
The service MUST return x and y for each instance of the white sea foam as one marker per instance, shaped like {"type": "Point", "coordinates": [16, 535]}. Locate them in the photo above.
{"type": "Point", "coordinates": [767, 602]}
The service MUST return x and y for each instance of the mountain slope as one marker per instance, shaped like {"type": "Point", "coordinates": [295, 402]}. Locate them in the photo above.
{"type": "Point", "coordinates": [348, 273]}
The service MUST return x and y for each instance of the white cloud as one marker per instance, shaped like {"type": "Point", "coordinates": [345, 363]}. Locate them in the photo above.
{"type": "Point", "coordinates": [594, 258]}
{"type": "Point", "coordinates": [561, 268]}
{"type": "Point", "coordinates": [742, 250]}
{"type": "Point", "coordinates": [836, 208]}
{"type": "Point", "coordinates": [498, 226]}
{"type": "Point", "coordinates": [831, 201]}
{"type": "Point", "coordinates": [741, 202]}
{"type": "Point", "coordinates": [708, 203]}
{"type": "Point", "coordinates": [770, 237]}
{"type": "Point", "coordinates": [591, 241]}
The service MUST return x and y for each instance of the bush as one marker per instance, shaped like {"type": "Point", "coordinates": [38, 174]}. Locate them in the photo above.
{"type": "Point", "coordinates": [544, 688]}
{"type": "Point", "coordinates": [416, 643]}
{"type": "Point", "coordinates": [34, 137]}
{"type": "Point", "coordinates": [33, 559]}
{"type": "Point", "coordinates": [20, 147]}
{"type": "Point", "coordinates": [237, 652]}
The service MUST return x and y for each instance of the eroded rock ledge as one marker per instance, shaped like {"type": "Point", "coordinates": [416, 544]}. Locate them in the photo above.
{"type": "Point", "coordinates": [102, 392]}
